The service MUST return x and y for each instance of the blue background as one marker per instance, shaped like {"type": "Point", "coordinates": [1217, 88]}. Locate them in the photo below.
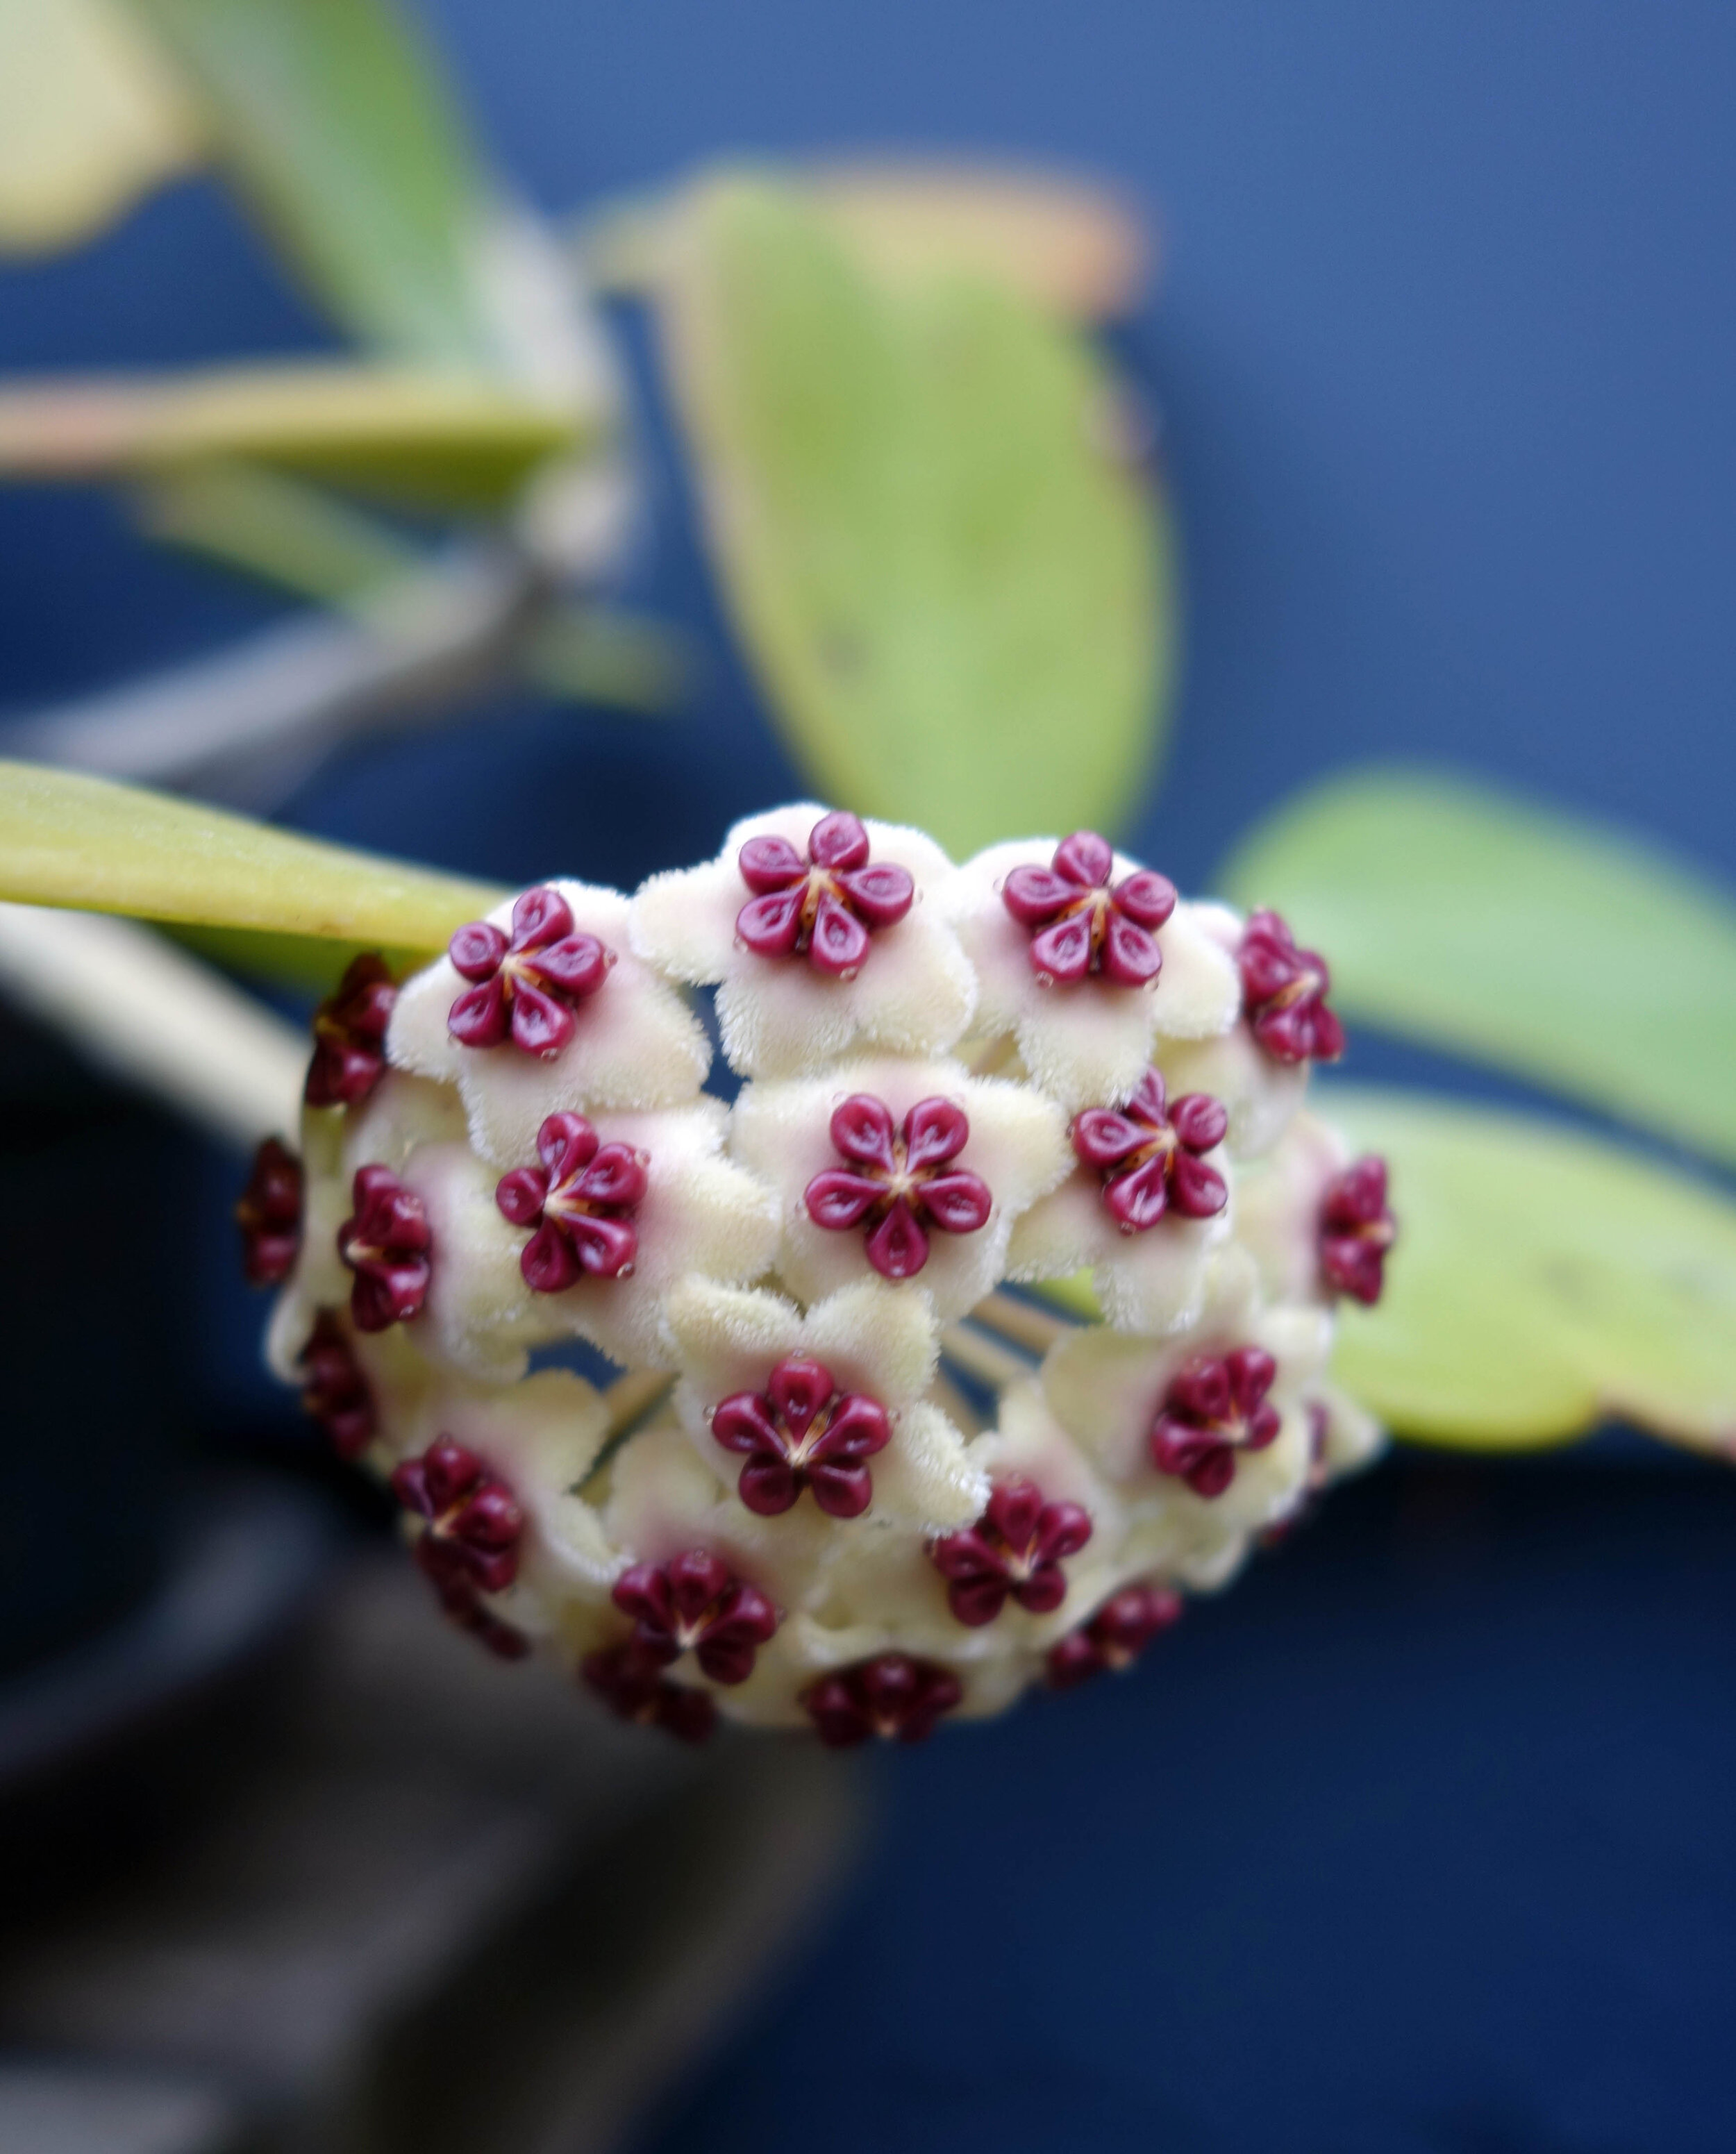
{"type": "Point", "coordinates": [1420, 1838]}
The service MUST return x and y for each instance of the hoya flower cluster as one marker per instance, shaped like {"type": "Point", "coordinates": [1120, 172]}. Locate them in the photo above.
{"type": "Point", "coordinates": [751, 1405]}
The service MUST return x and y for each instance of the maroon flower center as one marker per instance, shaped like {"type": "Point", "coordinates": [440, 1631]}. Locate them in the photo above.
{"type": "Point", "coordinates": [1115, 1636]}
{"type": "Point", "coordinates": [350, 1036]}
{"type": "Point", "coordinates": [1216, 1405]}
{"type": "Point", "coordinates": [528, 984]}
{"type": "Point", "coordinates": [694, 1603]}
{"type": "Point", "coordinates": [803, 1432]}
{"type": "Point", "coordinates": [269, 1215]}
{"type": "Point", "coordinates": [474, 1525]}
{"type": "Point", "coordinates": [581, 1202]}
{"type": "Point", "coordinates": [1148, 1157]}
{"type": "Point", "coordinates": [1356, 1230]}
{"type": "Point", "coordinates": [1284, 990]}
{"type": "Point", "coordinates": [893, 1696]}
{"type": "Point", "coordinates": [1016, 1548]}
{"type": "Point", "coordinates": [637, 1690]}
{"type": "Point", "coordinates": [825, 904]}
{"type": "Point", "coordinates": [333, 1390]}
{"type": "Point", "coordinates": [900, 1182]}
{"type": "Point", "coordinates": [386, 1244]}
{"type": "Point", "coordinates": [1081, 921]}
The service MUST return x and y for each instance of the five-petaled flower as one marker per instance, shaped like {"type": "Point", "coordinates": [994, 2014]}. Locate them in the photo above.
{"type": "Point", "coordinates": [900, 1182]}
{"type": "Point", "coordinates": [528, 983]}
{"type": "Point", "coordinates": [268, 1214]}
{"type": "Point", "coordinates": [825, 906]}
{"type": "Point", "coordinates": [893, 1696]}
{"type": "Point", "coordinates": [637, 1690]}
{"type": "Point", "coordinates": [386, 1244]}
{"type": "Point", "coordinates": [1148, 1155]}
{"type": "Point", "coordinates": [1285, 993]}
{"type": "Point", "coordinates": [581, 1202]}
{"type": "Point", "coordinates": [1356, 1229]}
{"type": "Point", "coordinates": [349, 1036]}
{"type": "Point", "coordinates": [695, 1604]}
{"type": "Point", "coordinates": [1215, 1406]}
{"type": "Point", "coordinates": [803, 1432]}
{"type": "Point", "coordinates": [1115, 1636]}
{"type": "Point", "coordinates": [333, 1390]}
{"type": "Point", "coordinates": [475, 1527]}
{"type": "Point", "coordinates": [1082, 922]}
{"type": "Point", "coordinates": [1016, 1548]}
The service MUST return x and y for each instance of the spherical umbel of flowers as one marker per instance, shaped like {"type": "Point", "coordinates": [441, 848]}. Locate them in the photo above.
{"type": "Point", "coordinates": [989, 1324]}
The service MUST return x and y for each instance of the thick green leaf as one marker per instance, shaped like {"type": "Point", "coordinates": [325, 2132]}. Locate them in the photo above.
{"type": "Point", "coordinates": [1576, 955]}
{"type": "Point", "coordinates": [331, 116]}
{"type": "Point", "coordinates": [443, 440]}
{"type": "Point", "coordinates": [951, 576]}
{"type": "Point", "coordinates": [90, 119]}
{"type": "Point", "coordinates": [1542, 1280]}
{"type": "Point", "coordinates": [85, 843]}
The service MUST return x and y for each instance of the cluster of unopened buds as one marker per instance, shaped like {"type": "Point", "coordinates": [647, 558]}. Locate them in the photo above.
{"type": "Point", "coordinates": [976, 1318]}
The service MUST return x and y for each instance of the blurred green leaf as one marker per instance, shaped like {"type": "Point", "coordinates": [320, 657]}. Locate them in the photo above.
{"type": "Point", "coordinates": [96, 846]}
{"type": "Point", "coordinates": [291, 534]}
{"type": "Point", "coordinates": [309, 962]}
{"type": "Point", "coordinates": [947, 570]}
{"type": "Point", "coordinates": [306, 540]}
{"type": "Point", "coordinates": [1542, 1280]}
{"type": "Point", "coordinates": [436, 439]}
{"type": "Point", "coordinates": [90, 119]}
{"type": "Point", "coordinates": [1071, 247]}
{"type": "Point", "coordinates": [1453, 914]}
{"type": "Point", "coordinates": [333, 118]}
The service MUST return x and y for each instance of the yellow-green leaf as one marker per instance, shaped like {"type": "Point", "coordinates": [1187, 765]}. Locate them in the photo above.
{"type": "Point", "coordinates": [1070, 247]}
{"type": "Point", "coordinates": [1543, 1280]}
{"type": "Point", "coordinates": [438, 439]}
{"type": "Point", "coordinates": [89, 844]}
{"type": "Point", "coordinates": [90, 119]}
{"type": "Point", "coordinates": [333, 118]}
{"type": "Point", "coordinates": [1558, 947]}
{"type": "Point", "coordinates": [951, 576]}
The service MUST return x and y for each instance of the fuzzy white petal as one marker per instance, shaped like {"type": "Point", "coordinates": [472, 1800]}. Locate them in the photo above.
{"type": "Point", "coordinates": [1260, 1094]}
{"type": "Point", "coordinates": [683, 922]}
{"type": "Point", "coordinates": [477, 1315]}
{"type": "Point", "coordinates": [1278, 1201]}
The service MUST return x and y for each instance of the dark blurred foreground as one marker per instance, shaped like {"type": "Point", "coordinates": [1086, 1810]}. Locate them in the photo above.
{"type": "Point", "coordinates": [369, 1892]}
{"type": "Point", "coordinates": [1417, 1839]}
{"type": "Point", "coordinates": [1418, 1842]}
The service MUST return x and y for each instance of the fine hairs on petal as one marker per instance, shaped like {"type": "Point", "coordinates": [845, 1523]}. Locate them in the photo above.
{"type": "Point", "coordinates": [836, 1463]}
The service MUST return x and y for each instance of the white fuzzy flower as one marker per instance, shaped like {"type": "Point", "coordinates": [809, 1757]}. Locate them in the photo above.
{"type": "Point", "coordinates": [826, 1405]}
{"type": "Point", "coordinates": [1211, 1428]}
{"type": "Point", "coordinates": [915, 1171]}
{"type": "Point", "coordinates": [821, 935]}
{"type": "Point", "coordinates": [1086, 959]}
{"type": "Point", "coordinates": [542, 1009]}
{"type": "Point", "coordinates": [1146, 1205]}
{"type": "Point", "coordinates": [586, 1239]}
